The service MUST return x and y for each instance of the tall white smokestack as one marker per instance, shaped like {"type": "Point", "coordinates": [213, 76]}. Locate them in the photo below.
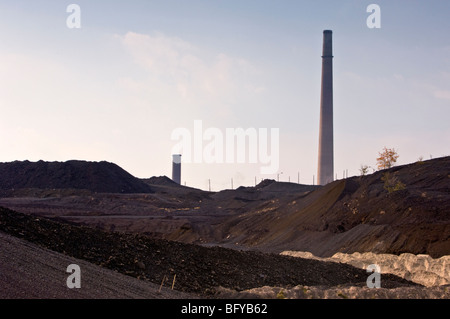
{"type": "Point", "coordinates": [326, 162]}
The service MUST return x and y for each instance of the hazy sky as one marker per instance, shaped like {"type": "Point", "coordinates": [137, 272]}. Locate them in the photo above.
{"type": "Point", "coordinates": [135, 71]}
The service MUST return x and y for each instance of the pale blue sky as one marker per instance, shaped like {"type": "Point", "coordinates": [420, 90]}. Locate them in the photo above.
{"type": "Point", "coordinates": [136, 70]}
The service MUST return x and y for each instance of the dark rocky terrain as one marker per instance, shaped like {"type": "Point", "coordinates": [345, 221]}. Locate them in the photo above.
{"type": "Point", "coordinates": [352, 215]}
{"type": "Point", "coordinates": [30, 271]}
{"type": "Point", "coordinates": [358, 215]}
{"type": "Point", "coordinates": [99, 177]}
{"type": "Point", "coordinates": [199, 270]}
{"type": "Point", "coordinates": [154, 229]}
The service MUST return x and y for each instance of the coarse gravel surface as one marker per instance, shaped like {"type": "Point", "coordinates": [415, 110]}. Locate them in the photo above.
{"type": "Point", "coordinates": [196, 269]}
{"type": "Point", "coordinates": [28, 271]}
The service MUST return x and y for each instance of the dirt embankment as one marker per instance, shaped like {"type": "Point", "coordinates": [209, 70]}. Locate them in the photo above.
{"type": "Point", "coordinates": [356, 215]}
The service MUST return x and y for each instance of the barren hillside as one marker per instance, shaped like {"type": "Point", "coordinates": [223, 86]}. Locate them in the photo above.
{"type": "Point", "coordinates": [358, 214]}
{"type": "Point", "coordinates": [101, 177]}
{"type": "Point", "coordinates": [352, 215]}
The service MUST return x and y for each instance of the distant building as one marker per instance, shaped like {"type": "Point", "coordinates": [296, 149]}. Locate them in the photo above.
{"type": "Point", "coordinates": [176, 168]}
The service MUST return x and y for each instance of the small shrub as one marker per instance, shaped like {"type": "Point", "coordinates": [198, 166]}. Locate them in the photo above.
{"type": "Point", "coordinates": [392, 183]}
{"type": "Point", "coordinates": [340, 294]}
{"type": "Point", "coordinates": [364, 170]}
{"type": "Point", "coordinates": [281, 295]}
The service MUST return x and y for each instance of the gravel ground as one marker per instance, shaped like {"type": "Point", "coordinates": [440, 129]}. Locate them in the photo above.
{"type": "Point", "coordinates": [31, 272]}
{"type": "Point", "coordinates": [345, 292]}
{"type": "Point", "coordinates": [421, 269]}
{"type": "Point", "coordinates": [198, 270]}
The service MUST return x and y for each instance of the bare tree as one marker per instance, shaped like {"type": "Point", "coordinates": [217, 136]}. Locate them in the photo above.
{"type": "Point", "coordinates": [364, 170]}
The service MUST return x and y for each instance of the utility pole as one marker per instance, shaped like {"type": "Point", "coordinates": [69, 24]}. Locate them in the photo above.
{"type": "Point", "coordinates": [278, 176]}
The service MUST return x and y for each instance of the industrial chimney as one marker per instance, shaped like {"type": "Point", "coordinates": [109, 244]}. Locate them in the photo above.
{"type": "Point", "coordinates": [176, 168]}
{"type": "Point", "coordinates": [326, 162]}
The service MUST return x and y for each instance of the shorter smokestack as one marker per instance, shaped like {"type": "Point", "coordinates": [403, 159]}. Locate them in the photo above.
{"type": "Point", "coordinates": [176, 168]}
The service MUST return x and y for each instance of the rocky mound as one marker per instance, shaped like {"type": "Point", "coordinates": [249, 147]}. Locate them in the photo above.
{"type": "Point", "coordinates": [161, 181]}
{"type": "Point", "coordinates": [197, 269]}
{"type": "Point", "coordinates": [100, 177]}
{"type": "Point", "coordinates": [348, 292]}
{"type": "Point", "coordinates": [163, 184]}
{"type": "Point", "coordinates": [421, 269]}
{"type": "Point", "coordinates": [355, 215]}
{"type": "Point", "coordinates": [272, 186]}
